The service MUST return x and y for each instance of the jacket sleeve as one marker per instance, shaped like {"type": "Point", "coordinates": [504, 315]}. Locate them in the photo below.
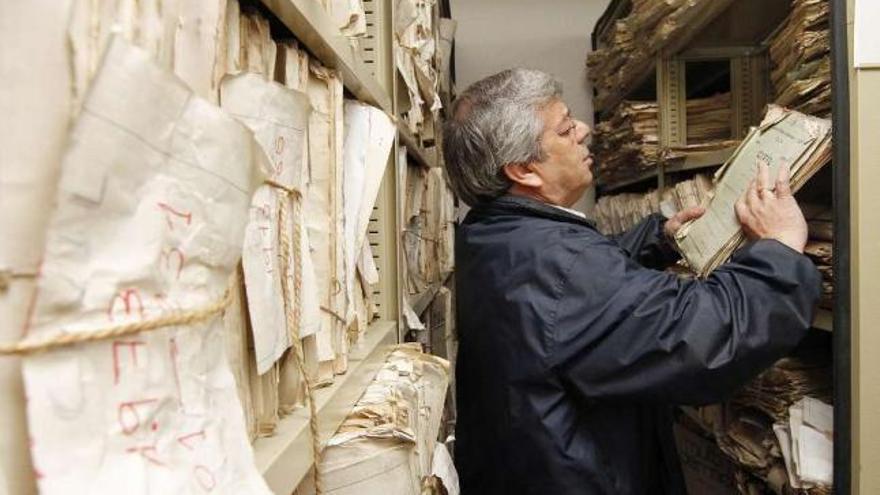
{"type": "Point", "coordinates": [624, 332]}
{"type": "Point", "coordinates": [647, 244]}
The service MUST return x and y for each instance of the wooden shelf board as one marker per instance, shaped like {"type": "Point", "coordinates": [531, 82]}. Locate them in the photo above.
{"type": "Point", "coordinates": [285, 458]}
{"type": "Point", "coordinates": [315, 29]}
{"type": "Point", "coordinates": [424, 157]}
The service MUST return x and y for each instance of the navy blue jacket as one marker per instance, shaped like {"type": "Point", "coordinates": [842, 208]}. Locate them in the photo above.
{"type": "Point", "coordinates": [572, 353]}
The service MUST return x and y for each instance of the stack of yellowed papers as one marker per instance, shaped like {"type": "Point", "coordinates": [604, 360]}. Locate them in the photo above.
{"type": "Point", "coordinates": [785, 138]}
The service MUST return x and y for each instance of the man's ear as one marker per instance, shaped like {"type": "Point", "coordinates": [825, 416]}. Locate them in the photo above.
{"type": "Point", "coordinates": [524, 174]}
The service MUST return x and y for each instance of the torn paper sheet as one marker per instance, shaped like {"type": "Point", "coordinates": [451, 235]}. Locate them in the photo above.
{"type": "Point", "coordinates": [369, 134]}
{"type": "Point", "coordinates": [149, 218]}
{"type": "Point", "coordinates": [444, 468]}
{"type": "Point", "coordinates": [278, 116]}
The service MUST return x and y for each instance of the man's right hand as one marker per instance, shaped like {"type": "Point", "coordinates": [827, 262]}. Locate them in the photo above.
{"type": "Point", "coordinates": [766, 213]}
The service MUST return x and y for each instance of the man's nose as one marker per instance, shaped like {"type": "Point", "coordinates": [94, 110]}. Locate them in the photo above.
{"type": "Point", "coordinates": [583, 131]}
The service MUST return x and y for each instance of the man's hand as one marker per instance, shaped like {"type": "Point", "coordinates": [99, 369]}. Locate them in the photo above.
{"type": "Point", "coordinates": [772, 214]}
{"type": "Point", "coordinates": [670, 228]}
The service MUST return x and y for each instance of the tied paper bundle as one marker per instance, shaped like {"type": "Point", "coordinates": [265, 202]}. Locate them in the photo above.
{"type": "Point", "coordinates": [801, 56]}
{"type": "Point", "coordinates": [806, 440]}
{"type": "Point", "coordinates": [387, 443]}
{"type": "Point", "coordinates": [784, 138]}
{"type": "Point", "coordinates": [628, 142]}
{"type": "Point", "coordinates": [148, 227]}
{"type": "Point", "coordinates": [652, 25]}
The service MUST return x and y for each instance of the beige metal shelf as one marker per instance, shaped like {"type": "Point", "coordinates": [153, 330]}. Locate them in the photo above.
{"type": "Point", "coordinates": [315, 29]}
{"type": "Point", "coordinates": [285, 458]}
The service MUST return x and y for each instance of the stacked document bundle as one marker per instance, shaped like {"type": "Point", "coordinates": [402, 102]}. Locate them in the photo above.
{"type": "Point", "coordinates": [800, 54]}
{"type": "Point", "coordinates": [821, 254]}
{"type": "Point", "coordinates": [616, 214]}
{"type": "Point", "coordinates": [626, 49]}
{"type": "Point", "coordinates": [428, 237]}
{"type": "Point", "coordinates": [415, 56]}
{"type": "Point", "coordinates": [388, 443]}
{"type": "Point", "coordinates": [805, 373]}
{"type": "Point", "coordinates": [784, 138]}
{"type": "Point", "coordinates": [628, 142]}
{"type": "Point", "coordinates": [807, 445]}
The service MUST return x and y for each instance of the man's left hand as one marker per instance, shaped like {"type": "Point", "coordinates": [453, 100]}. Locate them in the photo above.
{"type": "Point", "coordinates": [686, 215]}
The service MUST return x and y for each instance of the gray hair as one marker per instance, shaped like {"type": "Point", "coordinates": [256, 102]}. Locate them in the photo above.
{"type": "Point", "coordinates": [495, 122]}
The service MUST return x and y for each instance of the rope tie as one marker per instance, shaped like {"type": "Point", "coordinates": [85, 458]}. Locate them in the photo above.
{"type": "Point", "coordinates": [292, 248]}
{"type": "Point", "coordinates": [53, 341]}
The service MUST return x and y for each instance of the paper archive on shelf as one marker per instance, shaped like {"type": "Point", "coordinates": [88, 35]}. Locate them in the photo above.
{"type": "Point", "coordinates": [387, 442]}
{"type": "Point", "coordinates": [784, 138]}
{"type": "Point", "coordinates": [369, 134]}
{"type": "Point", "coordinates": [150, 213]}
{"type": "Point", "coordinates": [414, 56]}
{"type": "Point", "coordinates": [800, 53]}
{"type": "Point", "coordinates": [278, 116]}
{"type": "Point", "coordinates": [806, 441]}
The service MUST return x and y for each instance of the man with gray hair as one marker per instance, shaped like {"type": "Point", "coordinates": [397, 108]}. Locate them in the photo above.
{"type": "Point", "coordinates": [573, 351]}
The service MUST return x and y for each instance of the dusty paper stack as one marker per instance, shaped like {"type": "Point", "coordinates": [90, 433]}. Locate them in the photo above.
{"type": "Point", "coordinates": [428, 238]}
{"type": "Point", "coordinates": [784, 138]}
{"type": "Point", "coordinates": [651, 25]}
{"type": "Point", "coordinates": [415, 46]}
{"type": "Point", "coordinates": [708, 127]}
{"type": "Point", "coordinates": [820, 252]}
{"type": "Point", "coordinates": [387, 443]}
{"type": "Point", "coordinates": [628, 142]}
{"type": "Point", "coordinates": [806, 440]}
{"type": "Point", "coordinates": [775, 390]}
{"type": "Point", "coordinates": [616, 214]}
{"type": "Point", "coordinates": [800, 53]}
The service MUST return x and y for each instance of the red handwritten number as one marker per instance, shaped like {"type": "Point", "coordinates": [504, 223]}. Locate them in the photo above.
{"type": "Point", "coordinates": [173, 260]}
{"type": "Point", "coordinates": [128, 417]}
{"type": "Point", "coordinates": [130, 300]}
{"type": "Point", "coordinates": [188, 441]}
{"type": "Point", "coordinates": [171, 212]}
{"type": "Point", "coordinates": [132, 352]}
{"type": "Point", "coordinates": [204, 477]}
{"type": "Point", "coordinates": [148, 452]}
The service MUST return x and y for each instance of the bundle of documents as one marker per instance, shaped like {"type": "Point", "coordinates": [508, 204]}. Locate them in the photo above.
{"type": "Point", "coordinates": [616, 214]}
{"type": "Point", "coordinates": [628, 142]}
{"type": "Point", "coordinates": [800, 53]}
{"type": "Point", "coordinates": [821, 254]}
{"type": "Point", "coordinates": [805, 373]}
{"type": "Point", "coordinates": [784, 138]}
{"type": "Point", "coordinates": [708, 119]}
{"type": "Point", "coordinates": [387, 443]}
{"type": "Point", "coordinates": [428, 238]}
{"type": "Point", "coordinates": [651, 25]}
{"type": "Point", "coordinates": [806, 440]}
{"type": "Point", "coordinates": [415, 46]}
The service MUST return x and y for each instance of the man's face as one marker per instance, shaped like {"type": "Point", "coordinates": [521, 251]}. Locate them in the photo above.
{"type": "Point", "coordinates": [565, 171]}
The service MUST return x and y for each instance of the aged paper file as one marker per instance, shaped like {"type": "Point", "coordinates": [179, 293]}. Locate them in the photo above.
{"type": "Point", "coordinates": [149, 218]}
{"type": "Point", "coordinates": [279, 118]}
{"type": "Point", "coordinates": [785, 138]}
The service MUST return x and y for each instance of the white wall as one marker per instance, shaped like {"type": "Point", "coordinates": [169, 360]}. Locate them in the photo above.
{"type": "Point", "coordinates": [549, 35]}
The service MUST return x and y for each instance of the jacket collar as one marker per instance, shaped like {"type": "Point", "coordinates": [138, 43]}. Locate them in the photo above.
{"type": "Point", "coordinates": [510, 204]}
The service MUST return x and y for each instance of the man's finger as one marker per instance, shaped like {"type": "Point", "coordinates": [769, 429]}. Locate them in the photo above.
{"type": "Point", "coordinates": [751, 195]}
{"type": "Point", "coordinates": [783, 182]}
{"type": "Point", "coordinates": [691, 213]}
{"type": "Point", "coordinates": [763, 177]}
